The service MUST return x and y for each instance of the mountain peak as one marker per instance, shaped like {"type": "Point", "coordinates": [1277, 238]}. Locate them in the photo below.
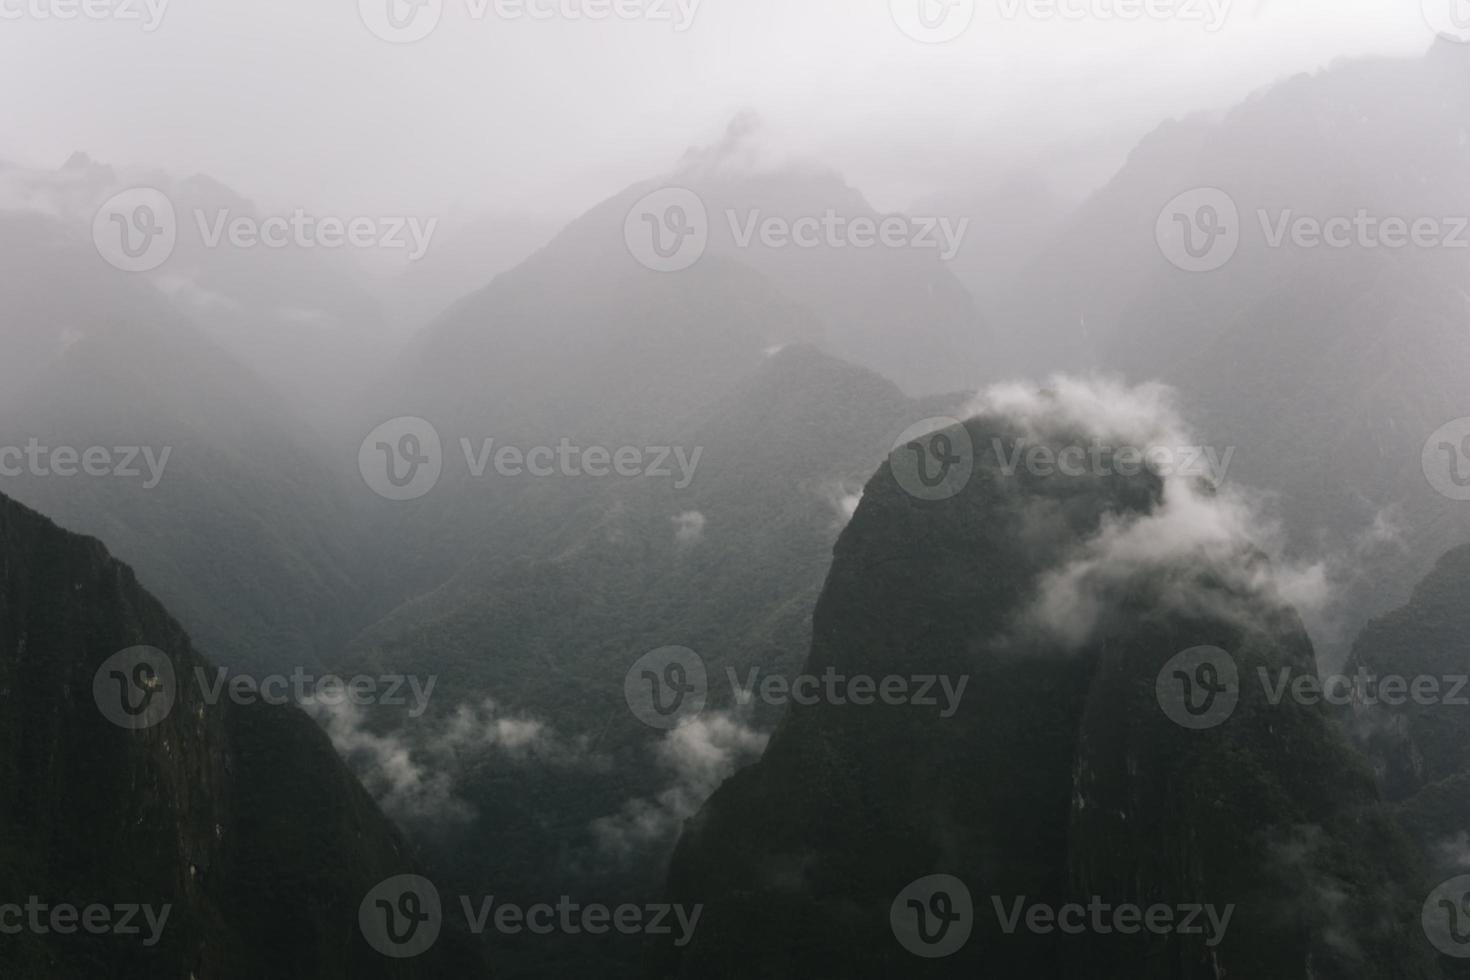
{"type": "Point", "coordinates": [1075, 736]}
{"type": "Point", "coordinates": [81, 163]}
{"type": "Point", "coordinates": [79, 160]}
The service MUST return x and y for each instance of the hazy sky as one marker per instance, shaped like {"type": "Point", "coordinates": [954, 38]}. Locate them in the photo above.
{"type": "Point", "coordinates": [300, 103]}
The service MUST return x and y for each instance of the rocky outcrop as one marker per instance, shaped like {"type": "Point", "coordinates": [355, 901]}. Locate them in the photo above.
{"type": "Point", "coordinates": [1070, 772]}
{"type": "Point", "coordinates": [240, 819]}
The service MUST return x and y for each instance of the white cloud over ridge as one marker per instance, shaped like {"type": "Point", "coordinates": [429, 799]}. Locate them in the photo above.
{"type": "Point", "coordinates": [1225, 532]}
{"type": "Point", "coordinates": [414, 773]}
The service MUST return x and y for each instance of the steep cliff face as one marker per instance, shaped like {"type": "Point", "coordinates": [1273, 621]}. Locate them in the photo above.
{"type": "Point", "coordinates": [1063, 775]}
{"type": "Point", "coordinates": [239, 818]}
{"type": "Point", "coordinates": [1411, 710]}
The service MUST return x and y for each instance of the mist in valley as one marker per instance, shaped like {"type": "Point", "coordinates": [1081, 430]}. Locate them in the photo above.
{"type": "Point", "coordinates": [678, 488]}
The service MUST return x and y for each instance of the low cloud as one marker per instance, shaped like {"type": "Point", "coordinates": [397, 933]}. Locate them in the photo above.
{"type": "Point", "coordinates": [841, 498]}
{"type": "Point", "coordinates": [414, 772]}
{"type": "Point", "coordinates": [698, 755]}
{"type": "Point", "coordinates": [1451, 855]}
{"type": "Point", "coordinates": [689, 527]}
{"type": "Point", "coordinates": [1217, 544]}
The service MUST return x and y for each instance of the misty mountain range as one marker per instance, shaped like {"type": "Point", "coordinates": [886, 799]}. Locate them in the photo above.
{"type": "Point", "coordinates": [306, 467]}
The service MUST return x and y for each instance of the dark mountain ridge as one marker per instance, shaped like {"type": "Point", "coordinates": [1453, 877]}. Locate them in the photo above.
{"type": "Point", "coordinates": [239, 818]}
{"type": "Point", "coordinates": [1061, 777]}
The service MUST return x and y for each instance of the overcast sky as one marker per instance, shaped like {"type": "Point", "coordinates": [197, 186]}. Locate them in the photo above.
{"type": "Point", "coordinates": [301, 103]}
